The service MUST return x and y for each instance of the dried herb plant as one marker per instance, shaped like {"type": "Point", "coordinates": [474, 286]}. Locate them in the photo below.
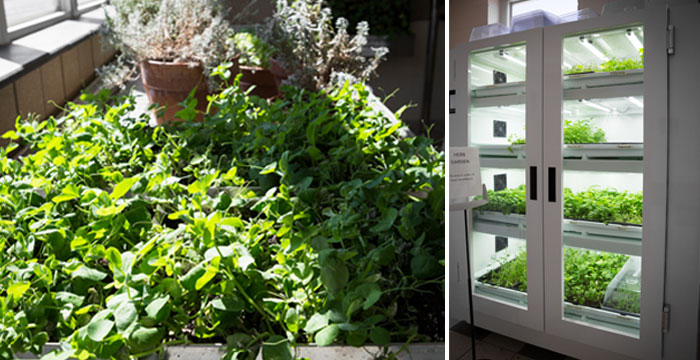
{"type": "Point", "coordinates": [170, 30]}
{"type": "Point", "coordinates": [315, 52]}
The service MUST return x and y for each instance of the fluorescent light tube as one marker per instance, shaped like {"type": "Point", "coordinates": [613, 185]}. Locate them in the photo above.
{"type": "Point", "coordinates": [633, 39]}
{"type": "Point", "coordinates": [510, 58]}
{"type": "Point", "coordinates": [594, 105]}
{"type": "Point", "coordinates": [515, 109]}
{"type": "Point", "coordinates": [604, 44]}
{"type": "Point", "coordinates": [593, 50]}
{"type": "Point", "coordinates": [567, 112]}
{"type": "Point", "coordinates": [480, 68]}
{"type": "Point", "coordinates": [566, 65]}
{"type": "Point", "coordinates": [635, 101]}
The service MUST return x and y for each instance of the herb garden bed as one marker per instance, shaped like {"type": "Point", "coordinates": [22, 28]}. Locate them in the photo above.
{"type": "Point", "coordinates": [117, 239]}
{"type": "Point", "coordinates": [425, 351]}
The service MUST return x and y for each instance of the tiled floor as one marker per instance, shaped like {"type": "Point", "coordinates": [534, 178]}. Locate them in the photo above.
{"type": "Point", "coordinates": [494, 346]}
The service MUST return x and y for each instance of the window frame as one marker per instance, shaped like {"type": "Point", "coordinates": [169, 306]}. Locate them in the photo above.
{"type": "Point", "coordinates": [68, 9]}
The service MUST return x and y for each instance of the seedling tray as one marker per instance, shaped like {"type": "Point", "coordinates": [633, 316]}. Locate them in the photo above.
{"type": "Point", "coordinates": [512, 88]}
{"type": "Point", "coordinates": [619, 238]}
{"type": "Point", "coordinates": [603, 79]}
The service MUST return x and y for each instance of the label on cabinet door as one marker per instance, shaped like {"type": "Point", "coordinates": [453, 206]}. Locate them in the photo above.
{"type": "Point", "coordinates": [465, 172]}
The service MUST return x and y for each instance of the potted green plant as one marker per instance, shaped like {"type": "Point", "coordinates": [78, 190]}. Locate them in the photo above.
{"type": "Point", "coordinates": [174, 42]}
{"type": "Point", "coordinates": [257, 66]}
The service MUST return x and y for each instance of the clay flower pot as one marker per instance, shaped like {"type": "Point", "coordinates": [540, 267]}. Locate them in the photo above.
{"type": "Point", "coordinates": [168, 83]}
{"type": "Point", "coordinates": [266, 81]}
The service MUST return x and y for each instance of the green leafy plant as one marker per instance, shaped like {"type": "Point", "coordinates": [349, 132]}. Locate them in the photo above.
{"type": "Point", "coordinates": [603, 205]}
{"type": "Point", "coordinates": [575, 132]}
{"type": "Point", "coordinates": [510, 274]}
{"type": "Point", "coordinates": [587, 275]}
{"type": "Point", "coordinates": [626, 297]}
{"type": "Point", "coordinates": [613, 64]}
{"type": "Point", "coordinates": [267, 225]}
{"type": "Point", "coordinates": [252, 50]}
{"type": "Point", "coordinates": [582, 132]}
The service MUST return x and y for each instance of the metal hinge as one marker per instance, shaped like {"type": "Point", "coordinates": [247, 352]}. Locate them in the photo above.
{"type": "Point", "coordinates": [671, 40]}
{"type": "Point", "coordinates": [666, 318]}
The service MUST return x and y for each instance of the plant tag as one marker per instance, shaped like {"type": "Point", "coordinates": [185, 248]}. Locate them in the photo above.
{"type": "Point", "coordinates": [465, 173]}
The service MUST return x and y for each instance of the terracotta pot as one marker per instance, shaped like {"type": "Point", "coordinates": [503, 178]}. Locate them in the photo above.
{"type": "Point", "coordinates": [266, 81]}
{"type": "Point", "coordinates": [168, 84]}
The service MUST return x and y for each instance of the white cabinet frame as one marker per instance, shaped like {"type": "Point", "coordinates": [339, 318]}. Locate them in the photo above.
{"type": "Point", "coordinates": [648, 345]}
{"type": "Point", "coordinates": [486, 307]}
{"type": "Point", "coordinates": [543, 323]}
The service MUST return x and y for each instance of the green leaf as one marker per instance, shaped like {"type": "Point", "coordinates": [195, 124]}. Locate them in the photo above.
{"type": "Point", "coordinates": [277, 348]}
{"type": "Point", "coordinates": [144, 338]}
{"type": "Point", "coordinates": [269, 168]}
{"type": "Point", "coordinates": [97, 330]}
{"type": "Point", "coordinates": [69, 298]}
{"type": "Point", "coordinates": [380, 336]}
{"type": "Point", "coordinates": [211, 270]}
{"type": "Point", "coordinates": [316, 322]}
{"type": "Point", "coordinates": [114, 257]}
{"type": "Point", "coordinates": [357, 338]}
{"type": "Point", "coordinates": [384, 256]}
{"type": "Point", "coordinates": [375, 293]}
{"type": "Point", "coordinates": [326, 336]}
{"type": "Point", "coordinates": [158, 308]}
{"type": "Point", "coordinates": [87, 273]}
{"type": "Point", "coordinates": [110, 210]}
{"type": "Point", "coordinates": [334, 275]}
{"type": "Point", "coordinates": [387, 220]}
{"type": "Point", "coordinates": [202, 185]}
{"type": "Point", "coordinates": [190, 279]}
{"type": "Point", "coordinates": [230, 303]}
{"type": "Point", "coordinates": [68, 193]}
{"type": "Point", "coordinates": [291, 318]}
{"type": "Point", "coordinates": [233, 222]}
{"type": "Point", "coordinates": [16, 290]}
{"type": "Point", "coordinates": [125, 314]}
{"type": "Point", "coordinates": [123, 187]}
{"type": "Point", "coordinates": [425, 266]}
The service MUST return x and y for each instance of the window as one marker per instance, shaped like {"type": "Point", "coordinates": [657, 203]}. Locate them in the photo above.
{"type": "Point", "coordinates": [557, 7]}
{"type": "Point", "coordinates": [21, 11]}
{"type": "Point", "coordinates": [22, 17]}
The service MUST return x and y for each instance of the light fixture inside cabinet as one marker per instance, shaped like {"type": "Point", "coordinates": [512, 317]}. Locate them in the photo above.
{"type": "Point", "coordinates": [596, 106]}
{"type": "Point", "coordinates": [632, 37]}
{"type": "Point", "coordinates": [480, 68]}
{"type": "Point", "coordinates": [588, 44]}
{"type": "Point", "coordinates": [510, 58]}
{"type": "Point", "coordinates": [635, 101]}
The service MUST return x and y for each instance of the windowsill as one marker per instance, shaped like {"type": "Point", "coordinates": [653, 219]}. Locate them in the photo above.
{"type": "Point", "coordinates": [30, 52]}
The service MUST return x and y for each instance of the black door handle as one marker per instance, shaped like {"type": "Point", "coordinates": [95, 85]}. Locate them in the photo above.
{"type": "Point", "coordinates": [533, 182]}
{"type": "Point", "coordinates": [552, 174]}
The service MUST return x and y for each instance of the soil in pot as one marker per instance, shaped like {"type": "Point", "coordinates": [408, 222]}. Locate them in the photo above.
{"type": "Point", "coordinates": [168, 84]}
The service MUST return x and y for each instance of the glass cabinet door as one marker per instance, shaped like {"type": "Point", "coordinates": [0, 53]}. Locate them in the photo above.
{"type": "Point", "coordinates": [504, 122]}
{"type": "Point", "coordinates": [597, 174]}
